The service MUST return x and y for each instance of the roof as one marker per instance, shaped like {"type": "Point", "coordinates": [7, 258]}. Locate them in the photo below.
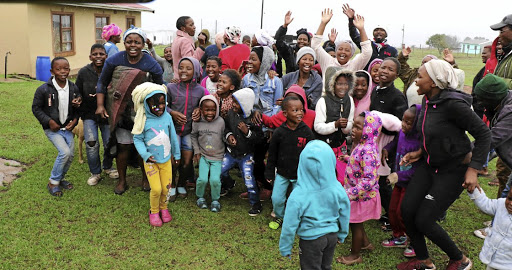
{"type": "Point", "coordinates": [112, 6]}
{"type": "Point", "coordinates": [475, 41]}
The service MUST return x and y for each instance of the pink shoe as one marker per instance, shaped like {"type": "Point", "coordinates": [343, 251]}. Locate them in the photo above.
{"type": "Point", "coordinates": [154, 220]}
{"type": "Point", "coordinates": [166, 216]}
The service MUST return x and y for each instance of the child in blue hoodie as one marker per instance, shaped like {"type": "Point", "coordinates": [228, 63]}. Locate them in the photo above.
{"type": "Point", "coordinates": [318, 209]}
{"type": "Point", "coordinates": [155, 139]}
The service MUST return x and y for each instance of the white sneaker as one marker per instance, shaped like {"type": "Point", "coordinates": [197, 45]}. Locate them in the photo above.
{"type": "Point", "coordinates": [481, 233]}
{"type": "Point", "coordinates": [112, 173]}
{"type": "Point", "coordinates": [94, 179]}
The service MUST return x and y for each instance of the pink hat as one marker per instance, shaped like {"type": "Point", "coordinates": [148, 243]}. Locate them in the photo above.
{"type": "Point", "coordinates": [110, 30]}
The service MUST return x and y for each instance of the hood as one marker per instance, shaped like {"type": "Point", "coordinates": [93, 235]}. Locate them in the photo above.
{"type": "Point", "coordinates": [299, 91]}
{"type": "Point", "coordinates": [373, 63]}
{"type": "Point", "coordinates": [415, 133]}
{"type": "Point", "coordinates": [451, 94]}
{"type": "Point", "coordinates": [207, 33]}
{"type": "Point", "coordinates": [149, 114]}
{"type": "Point", "coordinates": [317, 167]}
{"type": "Point", "coordinates": [212, 98]}
{"type": "Point", "coordinates": [491, 63]}
{"type": "Point", "coordinates": [332, 74]}
{"type": "Point", "coordinates": [371, 128]}
{"type": "Point", "coordinates": [266, 64]}
{"type": "Point", "coordinates": [369, 90]}
{"type": "Point", "coordinates": [197, 68]}
{"type": "Point", "coordinates": [139, 97]}
{"type": "Point", "coordinates": [245, 97]}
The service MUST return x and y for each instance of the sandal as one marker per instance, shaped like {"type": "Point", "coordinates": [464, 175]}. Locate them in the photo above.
{"type": "Point", "coordinates": [54, 191]}
{"type": "Point", "coordinates": [65, 185]}
{"type": "Point", "coordinates": [494, 183]}
{"type": "Point", "coordinates": [344, 261]}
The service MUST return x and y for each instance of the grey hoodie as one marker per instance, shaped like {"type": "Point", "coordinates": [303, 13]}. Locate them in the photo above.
{"type": "Point", "coordinates": [207, 136]}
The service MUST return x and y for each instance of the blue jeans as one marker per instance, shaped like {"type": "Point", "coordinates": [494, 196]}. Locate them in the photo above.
{"type": "Point", "coordinates": [279, 194]}
{"type": "Point", "coordinates": [507, 187]}
{"type": "Point", "coordinates": [487, 160]}
{"type": "Point", "coordinates": [246, 165]}
{"type": "Point", "coordinates": [93, 152]}
{"type": "Point", "coordinates": [63, 141]}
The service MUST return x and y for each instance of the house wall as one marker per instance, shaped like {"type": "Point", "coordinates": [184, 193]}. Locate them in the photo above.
{"type": "Point", "coordinates": [15, 39]}
{"type": "Point", "coordinates": [38, 34]}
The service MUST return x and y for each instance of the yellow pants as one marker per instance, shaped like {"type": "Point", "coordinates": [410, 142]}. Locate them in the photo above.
{"type": "Point", "coordinates": [160, 179]}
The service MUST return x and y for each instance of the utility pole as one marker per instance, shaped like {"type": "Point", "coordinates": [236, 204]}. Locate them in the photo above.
{"type": "Point", "coordinates": [403, 34]}
{"type": "Point", "coordinates": [215, 26]}
{"type": "Point", "coordinates": [262, 3]}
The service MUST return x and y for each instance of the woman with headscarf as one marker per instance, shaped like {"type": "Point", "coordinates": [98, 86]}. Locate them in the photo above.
{"type": "Point", "coordinates": [449, 163]}
{"type": "Point", "coordinates": [305, 76]}
{"type": "Point", "coordinates": [235, 53]}
{"type": "Point", "coordinates": [344, 49]}
{"type": "Point", "coordinates": [125, 70]}
{"type": "Point", "coordinates": [112, 34]}
{"type": "Point", "coordinates": [289, 52]}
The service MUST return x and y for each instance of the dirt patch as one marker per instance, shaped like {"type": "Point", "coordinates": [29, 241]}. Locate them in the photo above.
{"type": "Point", "coordinates": [9, 170]}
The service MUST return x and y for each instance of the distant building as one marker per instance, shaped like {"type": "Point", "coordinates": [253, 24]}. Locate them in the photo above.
{"type": "Point", "coordinates": [473, 46]}
{"type": "Point", "coordinates": [160, 37]}
{"type": "Point", "coordinates": [59, 29]}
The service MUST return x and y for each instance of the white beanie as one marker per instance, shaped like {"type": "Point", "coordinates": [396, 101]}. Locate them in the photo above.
{"type": "Point", "coordinates": [305, 50]}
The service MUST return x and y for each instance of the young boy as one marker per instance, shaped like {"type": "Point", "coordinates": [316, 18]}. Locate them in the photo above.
{"type": "Point", "coordinates": [241, 137]}
{"type": "Point", "coordinates": [55, 106]}
{"type": "Point", "coordinates": [318, 209]}
{"type": "Point", "coordinates": [209, 150]}
{"type": "Point", "coordinates": [86, 82]}
{"type": "Point", "coordinates": [285, 147]}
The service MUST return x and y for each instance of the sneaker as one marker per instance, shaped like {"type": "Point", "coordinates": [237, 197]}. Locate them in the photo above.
{"type": "Point", "coordinates": [481, 233]}
{"type": "Point", "coordinates": [244, 196]}
{"type": "Point", "coordinates": [201, 203]}
{"type": "Point", "coordinates": [276, 223]}
{"type": "Point", "coordinates": [94, 179]}
{"type": "Point", "coordinates": [459, 265]}
{"type": "Point", "coordinates": [182, 192]}
{"type": "Point", "coordinates": [395, 242]}
{"type": "Point", "coordinates": [409, 252]}
{"type": "Point", "coordinates": [154, 219]}
{"type": "Point", "coordinates": [112, 173]}
{"type": "Point", "coordinates": [487, 223]}
{"type": "Point", "coordinates": [414, 264]}
{"type": "Point", "coordinates": [215, 207]}
{"type": "Point", "coordinates": [265, 195]}
{"type": "Point", "coordinates": [255, 209]}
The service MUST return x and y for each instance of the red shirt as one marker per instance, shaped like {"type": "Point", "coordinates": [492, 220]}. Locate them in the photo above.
{"type": "Point", "coordinates": [233, 56]}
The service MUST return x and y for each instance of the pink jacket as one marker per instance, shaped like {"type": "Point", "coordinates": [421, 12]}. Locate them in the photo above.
{"type": "Point", "coordinates": [183, 46]}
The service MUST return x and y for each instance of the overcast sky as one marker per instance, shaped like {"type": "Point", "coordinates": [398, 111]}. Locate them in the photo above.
{"type": "Point", "coordinates": [421, 18]}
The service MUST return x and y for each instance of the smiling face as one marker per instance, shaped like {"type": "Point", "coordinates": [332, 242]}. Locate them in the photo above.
{"type": "Point", "coordinates": [212, 70]}
{"type": "Point", "coordinates": [505, 36]}
{"type": "Point", "coordinates": [379, 35]}
{"type": "Point", "coordinates": [98, 57]}
{"type": "Point", "coordinates": [357, 129]}
{"type": "Point", "coordinates": [186, 70]}
{"type": "Point", "coordinates": [374, 73]}
{"type": "Point", "coordinates": [157, 108]}
{"type": "Point", "coordinates": [236, 106]}
{"type": "Point", "coordinates": [387, 73]}
{"type": "Point", "coordinates": [486, 54]}
{"type": "Point", "coordinates": [294, 112]}
{"type": "Point", "coordinates": [60, 70]}
{"type": "Point", "coordinates": [408, 121]}
{"type": "Point", "coordinates": [302, 40]}
{"type": "Point", "coordinates": [253, 66]}
{"type": "Point", "coordinates": [189, 27]}
{"type": "Point", "coordinates": [344, 53]}
{"type": "Point", "coordinates": [168, 54]}
{"type": "Point", "coordinates": [424, 82]}
{"type": "Point", "coordinates": [361, 88]}
{"type": "Point", "coordinates": [133, 45]}
{"type": "Point", "coordinates": [341, 87]}
{"type": "Point", "coordinates": [224, 85]}
{"type": "Point", "coordinates": [208, 110]}
{"type": "Point", "coordinates": [306, 63]}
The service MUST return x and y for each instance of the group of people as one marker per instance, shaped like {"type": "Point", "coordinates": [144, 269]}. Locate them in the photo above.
{"type": "Point", "coordinates": [333, 129]}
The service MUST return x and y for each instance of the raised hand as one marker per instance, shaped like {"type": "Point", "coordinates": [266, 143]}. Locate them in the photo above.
{"type": "Point", "coordinates": [448, 56]}
{"type": "Point", "coordinates": [326, 15]}
{"type": "Point", "coordinates": [406, 51]}
{"type": "Point", "coordinates": [359, 22]}
{"type": "Point", "coordinates": [150, 44]}
{"type": "Point", "coordinates": [350, 12]}
{"type": "Point", "coordinates": [333, 35]}
{"type": "Point", "coordinates": [288, 19]}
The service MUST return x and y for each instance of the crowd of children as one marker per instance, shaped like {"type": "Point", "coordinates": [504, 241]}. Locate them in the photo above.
{"type": "Point", "coordinates": [339, 152]}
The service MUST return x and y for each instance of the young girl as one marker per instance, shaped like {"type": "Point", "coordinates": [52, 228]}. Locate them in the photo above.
{"type": "Point", "coordinates": [361, 182]}
{"type": "Point", "coordinates": [362, 92]}
{"type": "Point", "coordinates": [335, 114]}
{"type": "Point", "coordinates": [229, 82]}
{"type": "Point", "coordinates": [408, 140]}
{"type": "Point", "coordinates": [155, 139]}
{"type": "Point", "coordinates": [183, 98]}
{"type": "Point", "coordinates": [213, 65]}
{"type": "Point", "coordinates": [165, 62]}
{"type": "Point", "coordinates": [373, 69]}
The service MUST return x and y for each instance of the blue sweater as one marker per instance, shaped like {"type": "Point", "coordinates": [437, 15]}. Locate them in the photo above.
{"type": "Point", "coordinates": [318, 205]}
{"type": "Point", "coordinates": [159, 137]}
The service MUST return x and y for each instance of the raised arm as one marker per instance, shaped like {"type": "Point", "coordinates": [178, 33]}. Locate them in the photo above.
{"type": "Point", "coordinates": [352, 30]}
{"type": "Point", "coordinates": [326, 18]}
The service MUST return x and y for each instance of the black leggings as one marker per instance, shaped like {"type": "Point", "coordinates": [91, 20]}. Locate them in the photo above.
{"type": "Point", "coordinates": [429, 194]}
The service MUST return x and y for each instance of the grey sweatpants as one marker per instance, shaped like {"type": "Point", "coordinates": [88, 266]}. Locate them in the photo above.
{"type": "Point", "coordinates": [318, 253]}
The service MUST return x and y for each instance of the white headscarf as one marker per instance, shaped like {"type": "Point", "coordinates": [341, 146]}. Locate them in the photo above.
{"type": "Point", "coordinates": [442, 74]}
{"type": "Point", "coordinates": [264, 39]}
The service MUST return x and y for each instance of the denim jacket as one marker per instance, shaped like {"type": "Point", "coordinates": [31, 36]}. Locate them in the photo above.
{"type": "Point", "coordinates": [266, 95]}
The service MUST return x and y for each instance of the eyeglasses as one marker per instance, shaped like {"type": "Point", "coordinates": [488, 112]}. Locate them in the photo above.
{"type": "Point", "coordinates": [342, 84]}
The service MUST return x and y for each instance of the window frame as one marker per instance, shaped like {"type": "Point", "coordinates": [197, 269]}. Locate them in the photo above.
{"type": "Point", "coordinates": [130, 17]}
{"type": "Point", "coordinates": [72, 28]}
{"type": "Point", "coordinates": [96, 28]}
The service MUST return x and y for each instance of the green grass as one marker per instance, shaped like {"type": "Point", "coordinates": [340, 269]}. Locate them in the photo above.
{"type": "Point", "coordinates": [90, 227]}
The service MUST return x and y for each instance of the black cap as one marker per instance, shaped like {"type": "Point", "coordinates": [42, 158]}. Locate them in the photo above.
{"type": "Point", "coordinates": [506, 21]}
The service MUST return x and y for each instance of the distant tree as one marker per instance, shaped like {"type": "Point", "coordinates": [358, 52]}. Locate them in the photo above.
{"type": "Point", "coordinates": [467, 39]}
{"type": "Point", "coordinates": [452, 42]}
{"type": "Point", "coordinates": [437, 41]}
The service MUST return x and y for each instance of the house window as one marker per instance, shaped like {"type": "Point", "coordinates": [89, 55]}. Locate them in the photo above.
{"type": "Point", "coordinates": [99, 22]}
{"type": "Point", "coordinates": [129, 22]}
{"type": "Point", "coordinates": [62, 30]}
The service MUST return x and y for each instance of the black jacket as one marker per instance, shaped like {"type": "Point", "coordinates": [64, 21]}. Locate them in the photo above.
{"type": "Point", "coordinates": [476, 106]}
{"type": "Point", "coordinates": [388, 100]}
{"type": "Point", "coordinates": [287, 52]}
{"type": "Point", "coordinates": [86, 81]}
{"type": "Point", "coordinates": [284, 150]}
{"type": "Point", "coordinates": [244, 144]}
{"type": "Point", "coordinates": [443, 123]}
{"type": "Point", "coordinates": [45, 105]}
{"type": "Point", "coordinates": [385, 51]}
